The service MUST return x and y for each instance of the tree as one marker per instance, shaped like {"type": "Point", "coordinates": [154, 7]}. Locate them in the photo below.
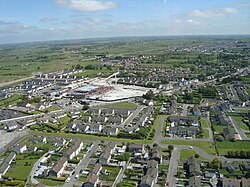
{"type": "Point", "coordinates": [215, 163]}
{"type": "Point", "coordinates": [196, 155]}
{"type": "Point", "coordinates": [170, 147]}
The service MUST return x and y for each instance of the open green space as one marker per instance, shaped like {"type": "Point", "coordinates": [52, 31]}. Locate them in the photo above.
{"type": "Point", "coordinates": [92, 137]}
{"type": "Point", "coordinates": [205, 133]}
{"type": "Point", "coordinates": [187, 153]}
{"type": "Point", "coordinates": [205, 146]}
{"type": "Point", "coordinates": [205, 123]}
{"type": "Point", "coordinates": [241, 124]}
{"type": "Point", "coordinates": [122, 105]}
{"type": "Point", "coordinates": [225, 146]}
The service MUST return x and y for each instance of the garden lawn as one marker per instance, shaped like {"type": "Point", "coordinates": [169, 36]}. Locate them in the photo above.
{"type": "Point", "coordinates": [21, 169]}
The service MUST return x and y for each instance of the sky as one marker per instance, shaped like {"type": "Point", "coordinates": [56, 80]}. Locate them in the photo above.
{"type": "Point", "coordinates": [41, 20]}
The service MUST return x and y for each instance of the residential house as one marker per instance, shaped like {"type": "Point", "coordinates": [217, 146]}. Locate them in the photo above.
{"type": "Point", "coordinates": [20, 148]}
{"type": "Point", "coordinates": [228, 182]}
{"type": "Point", "coordinates": [58, 168]}
{"type": "Point", "coordinates": [196, 111]}
{"type": "Point", "coordinates": [182, 130]}
{"type": "Point", "coordinates": [106, 155]}
{"type": "Point", "coordinates": [9, 159]}
{"type": "Point", "coordinates": [116, 120]}
{"type": "Point", "coordinates": [228, 133]}
{"type": "Point", "coordinates": [136, 148]}
{"type": "Point", "coordinates": [222, 119]}
{"type": "Point", "coordinates": [96, 170]}
{"type": "Point", "coordinates": [94, 111]}
{"type": "Point", "coordinates": [92, 181]}
{"type": "Point", "coordinates": [94, 129]}
{"type": "Point", "coordinates": [99, 119]}
{"type": "Point", "coordinates": [11, 126]}
{"type": "Point", "coordinates": [194, 181]}
{"type": "Point", "coordinates": [157, 154]}
{"type": "Point", "coordinates": [107, 111]}
{"type": "Point", "coordinates": [230, 165]}
{"type": "Point", "coordinates": [150, 178]}
{"type": "Point", "coordinates": [4, 167]}
{"type": "Point", "coordinates": [193, 167]}
{"type": "Point", "coordinates": [110, 131]}
{"type": "Point", "coordinates": [122, 112]}
{"type": "Point", "coordinates": [73, 151]}
{"type": "Point", "coordinates": [245, 182]}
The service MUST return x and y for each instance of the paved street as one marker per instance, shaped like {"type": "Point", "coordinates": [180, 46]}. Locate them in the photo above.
{"type": "Point", "coordinates": [173, 164]}
{"type": "Point", "coordinates": [242, 135]}
{"type": "Point", "coordinates": [82, 165]}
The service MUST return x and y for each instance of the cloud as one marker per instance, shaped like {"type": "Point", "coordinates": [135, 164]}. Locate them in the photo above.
{"type": "Point", "coordinates": [14, 27]}
{"type": "Point", "coordinates": [213, 13]}
{"type": "Point", "coordinates": [48, 19]}
{"type": "Point", "coordinates": [87, 5]}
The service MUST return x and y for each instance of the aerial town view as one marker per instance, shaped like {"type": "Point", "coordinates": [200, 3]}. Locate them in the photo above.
{"type": "Point", "coordinates": [124, 93]}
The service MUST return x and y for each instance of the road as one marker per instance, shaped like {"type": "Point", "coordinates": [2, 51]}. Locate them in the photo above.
{"type": "Point", "coordinates": [242, 135]}
{"type": "Point", "coordinates": [15, 81]}
{"type": "Point", "coordinates": [173, 164]}
{"type": "Point", "coordinates": [13, 142]}
{"type": "Point", "coordinates": [129, 119]}
{"type": "Point", "coordinates": [82, 165]}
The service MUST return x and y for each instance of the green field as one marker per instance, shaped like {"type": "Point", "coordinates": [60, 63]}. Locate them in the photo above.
{"type": "Point", "coordinates": [206, 133]}
{"type": "Point", "coordinates": [205, 146]}
{"type": "Point", "coordinates": [225, 146]}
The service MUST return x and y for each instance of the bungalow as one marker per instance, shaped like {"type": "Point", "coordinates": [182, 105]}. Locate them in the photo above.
{"type": "Point", "coordinates": [20, 148]}
{"type": "Point", "coordinates": [58, 168]}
